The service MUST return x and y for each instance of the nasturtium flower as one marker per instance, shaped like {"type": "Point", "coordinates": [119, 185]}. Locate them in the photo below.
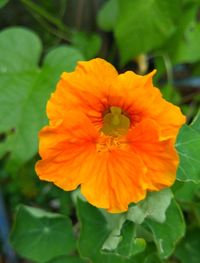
{"type": "Point", "coordinates": [112, 134]}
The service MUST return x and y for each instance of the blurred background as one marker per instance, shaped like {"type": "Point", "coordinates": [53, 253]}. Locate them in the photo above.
{"type": "Point", "coordinates": [40, 39]}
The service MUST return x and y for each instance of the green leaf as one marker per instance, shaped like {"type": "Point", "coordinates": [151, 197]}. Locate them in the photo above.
{"type": "Point", "coordinates": [129, 244]}
{"type": "Point", "coordinates": [196, 209]}
{"type": "Point", "coordinates": [3, 3]}
{"type": "Point", "coordinates": [147, 208]}
{"type": "Point", "coordinates": [107, 16]}
{"type": "Point", "coordinates": [21, 57]}
{"type": "Point", "coordinates": [94, 232]}
{"type": "Point", "coordinates": [88, 44]}
{"type": "Point", "coordinates": [196, 122]}
{"type": "Point", "coordinates": [167, 234]}
{"type": "Point", "coordinates": [115, 223]}
{"type": "Point", "coordinates": [41, 236]}
{"type": "Point", "coordinates": [153, 258]}
{"type": "Point", "coordinates": [67, 259]}
{"type": "Point", "coordinates": [122, 240]}
{"type": "Point", "coordinates": [144, 26]}
{"type": "Point", "coordinates": [180, 46]}
{"type": "Point", "coordinates": [25, 88]}
{"type": "Point", "coordinates": [188, 250]}
{"type": "Point", "coordinates": [188, 48]}
{"type": "Point", "coordinates": [188, 147]}
{"type": "Point", "coordinates": [185, 192]}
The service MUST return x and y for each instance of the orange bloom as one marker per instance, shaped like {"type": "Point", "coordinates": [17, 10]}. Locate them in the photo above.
{"type": "Point", "coordinates": [111, 133]}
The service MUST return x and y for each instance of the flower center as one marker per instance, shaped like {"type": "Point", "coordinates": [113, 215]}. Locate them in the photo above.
{"type": "Point", "coordinates": [115, 123]}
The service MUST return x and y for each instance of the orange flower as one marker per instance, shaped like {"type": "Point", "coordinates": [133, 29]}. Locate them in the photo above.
{"type": "Point", "coordinates": [111, 133]}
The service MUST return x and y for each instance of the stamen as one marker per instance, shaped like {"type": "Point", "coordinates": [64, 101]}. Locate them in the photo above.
{"type": "Point", "coordinates": [109, 143]}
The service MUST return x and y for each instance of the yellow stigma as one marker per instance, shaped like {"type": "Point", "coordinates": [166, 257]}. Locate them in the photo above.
{"type": "Point", "coordinates": [115, 123]}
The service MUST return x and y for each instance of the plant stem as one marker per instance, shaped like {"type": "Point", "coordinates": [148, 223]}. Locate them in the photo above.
{"type": "Point", "coordinates": [43, 13]}
{"type": "Point", "coordinates": [49, 28]}
{"type": "Point", "coordinates": [168, 66]}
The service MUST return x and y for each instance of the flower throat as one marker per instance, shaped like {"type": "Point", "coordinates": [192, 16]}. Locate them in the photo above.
{"type": "Point", "coordinates": [115, 123]}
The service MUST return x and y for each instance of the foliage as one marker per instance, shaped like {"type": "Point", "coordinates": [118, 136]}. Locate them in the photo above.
{"type": "Point", "coordinates": [137, 35]}
{"type": "Point", "coordinates": [19, 68]}
{"type": "Point", "coordinates": [33, 231]}
{"type": "Point", "coordinates": [189, 168]}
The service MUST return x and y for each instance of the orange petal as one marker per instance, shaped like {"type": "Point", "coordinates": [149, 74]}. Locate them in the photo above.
{"type": "Point", "coordinates": [169, 118]}
{"type": "Point", "coordinates": [85, 89]}
{"type": "Point", "coordinates": [110, 179]}
{"type": "Point", "coordinates": [65, 147]}
{"type": "Point", "coordinates": [167, 115]}
{"type": "Point", "coordinates": [158, 155]}
{"type": "Point", "coordinates": [139, 99]}
{"type": "Point", "coordinates": [117, 180]}
{"type": "Point", "coordinates": [129, 92]}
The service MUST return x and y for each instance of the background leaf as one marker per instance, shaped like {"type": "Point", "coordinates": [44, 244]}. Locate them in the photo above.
{"type": "Point", "coordinates": [115, 223]}
{"type": "Point", "coordinates": [41, 236]}
{"type": "Point", "coordinates": [88, 44]}
{"type": "Point", "coordinates": [182, 46]}
{"type": "Point", "coordinates": [129, 244]}
{"type": "Point", "coordinates": [67, 259]}
{"type": "Point", "coordinates": [167, 234]}
{"type": "Point", "coordinates": [23, 103]}
{"type": "Point", "coordinates": [188, 49]}
{"type": "Point", "coordinates": [188, 249]}
{"type": "Point", "coordinates": [196, 122]}
{"type": "Point", "coordinates": [158, 25]}
{"type": "Point", "coordinates": [188, 147]}
{"type": "Point", "coordinates": [186, 191]}
{"type": "Point", "coordinates": [3, 3]}
{"type": "Point", "coordinates": [107, 16]}
{"type": "Point", "coordinates": [94, 225]}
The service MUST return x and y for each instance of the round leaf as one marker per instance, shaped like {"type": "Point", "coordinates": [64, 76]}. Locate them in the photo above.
{"type": "Point", "coordinates": [143, 26]}
{"type": "Point", "coordinates": [25, 88]}
{"type": "Point", "coordinates": [188, 147]}
{"type": "Point", "coordinates": [41, 236]}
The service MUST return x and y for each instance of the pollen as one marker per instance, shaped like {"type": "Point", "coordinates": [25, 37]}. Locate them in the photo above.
{"type": "Point", "coordinates": [110, 143]}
